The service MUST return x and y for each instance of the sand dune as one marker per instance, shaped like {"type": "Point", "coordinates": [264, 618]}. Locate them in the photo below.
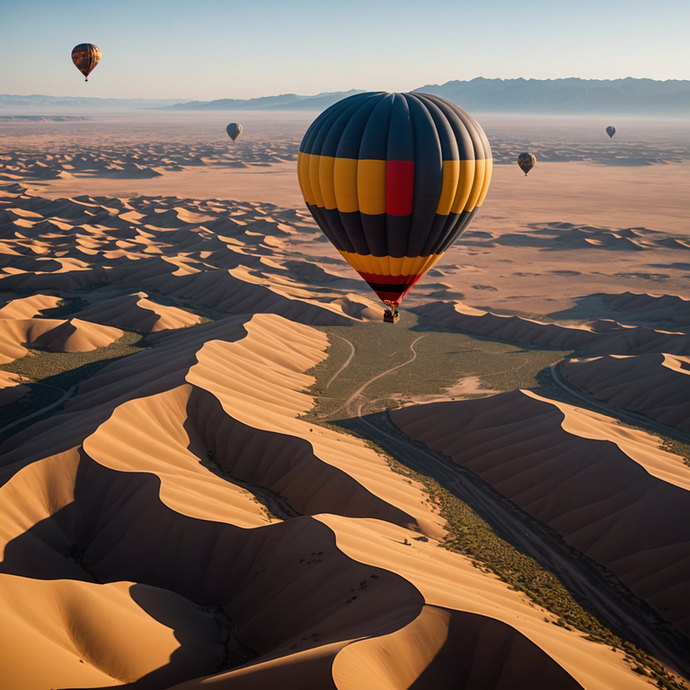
{"type": "Point", "coordinates": [55, 335]}
{"type": "Point", "coordinates": [665, 308]}
{"type": "Point", "coordinates": [597, 337]}
{"type": "Point", "coordinates": [28, 307]}
{"type": "Point", "coordinates": [563, 236]}
{"type": "Point", "coordinates": [610, 491]}
{"type": "Point", "coordinates": [657, 385]}
{"type": "Point", "coordinates": [176, 444]}
{"type": "Point", "coordinates": [136, 312]}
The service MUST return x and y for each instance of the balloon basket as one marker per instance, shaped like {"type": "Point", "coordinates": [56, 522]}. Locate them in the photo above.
{"type": "Point", "coordinates": [391, 315]}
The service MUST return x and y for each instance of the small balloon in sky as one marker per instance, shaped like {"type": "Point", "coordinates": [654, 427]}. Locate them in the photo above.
{"type": "Point", "coordinates": [610, 130]}
{"type": "Point", "coordinates": [234, 129]}
{"type": "Point", "coordinates": [526, 162]}
{"type": "Point", "coordinates": [86, 56]}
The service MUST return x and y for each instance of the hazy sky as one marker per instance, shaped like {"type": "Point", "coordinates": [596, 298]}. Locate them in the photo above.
{"type": "Point", "coordinates": [206, 49]}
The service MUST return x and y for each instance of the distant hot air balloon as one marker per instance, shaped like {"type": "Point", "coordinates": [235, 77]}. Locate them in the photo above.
{"type": "Point", "coordinates": [234, 130]}
{"type": "Point", "coordinates": [392, 179]}
{"type": "Point", "coordinates": [526, 162]}
{"type": "Point", "coordinates": [86, 56]}
{"type": "Point", "coordinates": [610, 130]}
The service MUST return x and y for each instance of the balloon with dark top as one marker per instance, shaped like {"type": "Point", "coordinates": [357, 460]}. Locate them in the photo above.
{"type": "Point", "coordinates": [234, 129]}
{"type": "Point", "coordinates": [392, 179]}
{"type": "Point", "coordinates": [85, 57]}
{"type": "Point", "coordinates": [526, 162]}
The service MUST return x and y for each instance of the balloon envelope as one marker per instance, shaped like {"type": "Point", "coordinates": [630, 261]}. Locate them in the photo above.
{"type": "Point", "coordinates": [526, 162]}
{"type": "Point", "coordinates": [86, 56]}
{"type": "Point", "coordinates": [234, 130]}
{"type": "Point", "coordinates": [392, 179]}
{"type": "Point", "coordinates": [610, 131]}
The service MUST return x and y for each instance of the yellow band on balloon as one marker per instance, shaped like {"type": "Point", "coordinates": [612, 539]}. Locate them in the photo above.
{"type": "Point", "coordinates": [390, 265]}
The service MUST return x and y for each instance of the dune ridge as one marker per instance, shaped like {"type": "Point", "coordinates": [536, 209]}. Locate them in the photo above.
{"type": "Point", "coordinates": [609, 491]}
{"type": "Point", "coordinates": [657, 385]}
{"type": "Point", "coordinates": [599, 337]}
{"type": "Point", "coordinates": [55, 335]}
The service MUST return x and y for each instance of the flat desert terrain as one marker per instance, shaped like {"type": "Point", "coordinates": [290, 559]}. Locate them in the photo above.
{"type": "Point", "coordinates": [220, 469]}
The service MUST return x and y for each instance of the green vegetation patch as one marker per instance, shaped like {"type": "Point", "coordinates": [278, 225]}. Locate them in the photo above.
{"type": "Point", "coordinates": [671, 445]}
{"type": "Point", "coordinates": [38, 365]}
{"type": "Point", "coordinates": [443, 358]}
{"type": "Point", "coordinates": [50, 375]}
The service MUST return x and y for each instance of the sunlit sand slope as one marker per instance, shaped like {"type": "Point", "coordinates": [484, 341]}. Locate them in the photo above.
{"type": "Point", "coordinates": [55, 335]}
{"type": "Point", "coordinates": [610, 491]}
{"type": "Point", "coordinates": [180, 496]}
{"type": "Point", "coordinates": [136, 312]}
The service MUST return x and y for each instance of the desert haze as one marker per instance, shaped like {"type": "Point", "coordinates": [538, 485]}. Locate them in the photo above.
{"type": "Point", "coordinates": [219, 469]}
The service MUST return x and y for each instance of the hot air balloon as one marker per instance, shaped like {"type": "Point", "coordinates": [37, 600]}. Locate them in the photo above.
{"type": "Point", "coordinates": [392, 179]}
{"type": "Point", "coordinates": [86, 56]}
{"type": "Point", "coordinates": [234, 129]}
{"type": "Point", "coordinates": [526, 162]}
{"type": "Point", "coordinates": [610, 130]}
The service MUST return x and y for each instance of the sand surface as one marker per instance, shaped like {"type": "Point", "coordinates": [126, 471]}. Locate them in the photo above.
{"type": "Point", "coordinates": [178, 492]}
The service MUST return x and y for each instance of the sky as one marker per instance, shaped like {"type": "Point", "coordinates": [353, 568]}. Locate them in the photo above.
{"type": "Point", "coordinates": [208, 49]}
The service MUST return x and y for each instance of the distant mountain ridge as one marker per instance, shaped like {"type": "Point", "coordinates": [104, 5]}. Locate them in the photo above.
{"type": "Point", "coordinates": [548, 96]}
{"type": "Point", "coordinates": [286, 101]}
{"type": "Point", "coordinates": [578, 96]}
{"type": "Point", "coordinates": [42, 101]}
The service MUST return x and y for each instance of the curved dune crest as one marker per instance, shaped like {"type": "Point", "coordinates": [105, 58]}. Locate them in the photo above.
{"type": "Point", "coordinates": [608, 490]}
{"type": "Point", "coordinates": [657, 385]}
{"type": "Point", "coordinates": [60, 622]}
{"type": "Point", "coordinates": [598, 337]}
{"type": "Point", "coordinates": [671, 308]}
{"type": "Point", "coordinates": [478, 600]}
{"type": "Point", "coordinates": [28, 307]}
{"type": "Point", "coordinates": [71, 335]}
{"type": "Point", "coordinates": [138, 313]}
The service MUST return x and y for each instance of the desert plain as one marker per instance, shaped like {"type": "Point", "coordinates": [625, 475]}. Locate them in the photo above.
{"type": "Point", "coordinates": [220, 469]}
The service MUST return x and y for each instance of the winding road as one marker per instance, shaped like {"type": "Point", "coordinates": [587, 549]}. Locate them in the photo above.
{"type": "Point", "coordinates": [65, 395]}
{"type": "Point", "coordinates": [613, 604]}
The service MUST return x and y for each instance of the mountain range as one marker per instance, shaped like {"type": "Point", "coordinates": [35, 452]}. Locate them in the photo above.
{"type": "Point", "coordinates": [628, 96]}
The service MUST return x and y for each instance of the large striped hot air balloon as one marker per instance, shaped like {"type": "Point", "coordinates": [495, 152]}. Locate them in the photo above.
{"type": "Point", "coordinates": [392, 179]}
{"type": "Point", "coordinates": [85, 57]}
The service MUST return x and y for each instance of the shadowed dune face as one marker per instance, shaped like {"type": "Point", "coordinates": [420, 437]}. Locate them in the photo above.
{"type": "Point", "coordinates": [596, 337]}
{"type": "Point", "coordinates": [657, 385]}
{"type": "Point", "coordinates": [54, 335]}
{"type": "Point", "coordinates": [609, 491]}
